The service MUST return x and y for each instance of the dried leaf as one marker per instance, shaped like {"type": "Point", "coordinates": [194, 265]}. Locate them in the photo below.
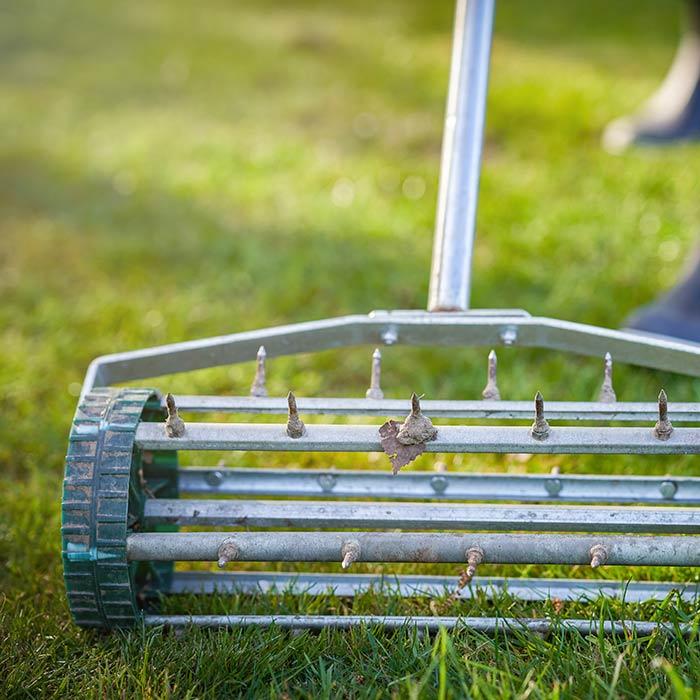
{"type": "Point", "coordinates": [399, 455]}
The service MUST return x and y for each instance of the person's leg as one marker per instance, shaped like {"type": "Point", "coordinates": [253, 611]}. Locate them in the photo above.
{"type": "Point", "coordinates": [676, 314]}
{"type": "Point", "coordinates": [673, 111]}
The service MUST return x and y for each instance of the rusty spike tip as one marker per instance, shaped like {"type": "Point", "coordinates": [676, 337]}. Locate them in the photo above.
{"type": "Point", "coordinates": [228, 551]}
{"type": "Point", "coordinates": [475, 555]}
{"type": "Point", "coordinates": [415, 404]}
{"type": "Point", "coordinates": [417, 428]}
{"type": "Point", "coordinates": [599, 555]}
{"type": "Point", "coordinates": [663, 427]}
{"type": "Point", "coordinates": [261, 353]}
{"type": "Point", "coordinates": [350, 553]}
{"type": "Point", "coordinates": [376, 355]}
{"type": "Point", "coordinates": [295, 426]}
{"type": "Point", "coordinates": [607, 392]}
{"type": "Point", "coordinates": [174, 425]}
{"type": "Point", "coordinates": [540, 428]}
{"type": "Point", "coordinates": [258, 388]}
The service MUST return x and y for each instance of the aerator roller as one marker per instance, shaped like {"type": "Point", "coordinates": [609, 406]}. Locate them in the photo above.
{"type": "Point", "coordinates": [125, 520]}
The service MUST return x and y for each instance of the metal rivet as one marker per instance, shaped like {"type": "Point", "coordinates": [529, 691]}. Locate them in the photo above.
{"type": "Point", "coordinates": [553, 486]}
{"type": "Point", "coordinates": [375, 388]}
{"type": "Point", "coordinates": [390, 336]}
{"type": "Point", "coordinates": [327, 481]}
{"type": "Point", "coordinates": [509, 335]}
{"type": "Point", "coordinates": [215, 478]}
{"type": "Point", "coordinates": [350, 552]}
{"type": "Point", "coordinates": [668, 489]}
{"type": "Point", "coordinates": [439, 484]}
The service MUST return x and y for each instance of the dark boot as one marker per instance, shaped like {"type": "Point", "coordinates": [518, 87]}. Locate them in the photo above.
{"type": "Point", "coordinates": [677, 314]}
{"type": "Point", "coordinates": [673, 111]}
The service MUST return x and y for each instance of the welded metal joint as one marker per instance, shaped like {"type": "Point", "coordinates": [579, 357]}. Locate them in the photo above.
{"type": "Point", "coordinates": [491, 392]}
{"type": "Point", "coordinates": [350, 552]}
{"type": "Point", "coordinates": [540, 428]}
{"type": "Point", "coordinates": [258, 388]}
{"type": "Point", "coordinates": [475, 556]}
{"type": "Point", "coordinates": [228, 552]}
{"type": "Point", "coordinates": [599, 555]}
{"type": "Point", "coordinates": [174, 425]}
{"type": "Point", "coordinates": [663, 427]}
{"type": "Point", "coordinates": [607, 393]}
{"type": "Point", "coordinates": [417, 429]}
{"type": "Point", "coordinates": [375, 388]}
{"type": "Point", "coordinates": [295, 426]}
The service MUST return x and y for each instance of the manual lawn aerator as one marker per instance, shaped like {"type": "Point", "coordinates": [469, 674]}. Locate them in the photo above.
{"type": "Point", "coordinates": [122, 504]}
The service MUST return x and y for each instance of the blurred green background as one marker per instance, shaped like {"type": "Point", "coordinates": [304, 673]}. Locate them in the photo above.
{"type": "Point", "coordinates": [172, 170]}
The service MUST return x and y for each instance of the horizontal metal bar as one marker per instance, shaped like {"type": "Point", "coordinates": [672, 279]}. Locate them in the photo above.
{"type": "Point", "coordinates": [450, 438]}
{"type": "Point", "coordinates": [420, 516]}
{"type": "Point", "coordinates": [485, 625]}
{"type": "Point", "coordinates": [416, 547]}
{"type": "Point", "coordinates": [406, 585]}
{"type": "Point", "coordinates": [448, 485]}
{"type": "Point", "coordinates": [486, 410]}
{"type": "Point", "coordinates": [405, 328]}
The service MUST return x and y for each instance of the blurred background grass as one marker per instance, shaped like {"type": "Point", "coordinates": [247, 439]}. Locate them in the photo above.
{"type": "Point", "coordinates": [171, 170]}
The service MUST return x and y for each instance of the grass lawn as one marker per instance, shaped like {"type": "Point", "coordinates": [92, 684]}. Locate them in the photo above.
{"type": "Point", "coordinates": [171, 170]}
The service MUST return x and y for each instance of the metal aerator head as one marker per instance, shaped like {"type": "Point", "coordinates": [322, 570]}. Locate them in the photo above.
{"type": "Point", "coordinates": [258, 388]}
{"type": "Point", "coordinates": [417, 428]}
{"type": "Point", "coordinates": [607, 393]}
{"type": "Point", "coordinates": [663, 427]}
{"type": "Point", "coordinates": [491, 392]}
{"type": "Point", "coordinates": [540, 428]}
{"type": "Point", "coordinates": [295, 426]}
{"type": "Point", "coordinates": [174, 425]}
{"type": "Point", "coordinates": [350, 552]}
{"type": "Point", "coordinates": [375, 389]}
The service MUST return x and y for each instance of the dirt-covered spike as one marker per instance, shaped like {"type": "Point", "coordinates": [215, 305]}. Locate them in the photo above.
{"type": "Point", "coordinates": [295, 426]}
{"type": "Point", "coordinates": [417, 429]}
{"type": "Point", "coordinates": [228, 551]}
{"type": "Point", "coordinates": [663, 428]}
{"type": "Point", "coordinates": [475, 555]}
{"type": "Point", "coordinates": [607, 393]}
{"type": "Point", "coordinates": [491, 392]}
{"type": "Point", "coordinates": [258, 388]}
{"type": "Point", "coordinates": [599, 555]}
{"type": "Point", "coordinates": [350, 553]}
{"type": "Point", "coordinates": [375, 388]}
{"type": "Point", "coordinates": [174, 425]}
{"type": "Point", "coordinates": [540, 428]}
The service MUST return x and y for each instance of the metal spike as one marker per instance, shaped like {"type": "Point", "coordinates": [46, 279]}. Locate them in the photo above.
{"type": "Point", "coordinates": [375, 389]}
{"type": "Point", "coordinates": [350, 553]}
{"type": "Point", "coordinates": [417, 428]}
{"type": "Point", "coordinates": [540, 428]}
{"type": "Point", "coordinates": [607, 393]}
{"type": "Point", "coordinates": [295, 426]}
{"type": "Point", "coordinates": [599, 555]}
{"type": "Point", "coordinates": [491, 392]}
{"type": "Point", "coordinates": [228, 551]}
{"type": "Point", "coordinates": [174, 425]}
{"type": "Point", "coordinates": [663, 427]}
{"type": "Point", "coordinates": [258, 388]}
{"type": "Point", "coordinates": [475, 555]}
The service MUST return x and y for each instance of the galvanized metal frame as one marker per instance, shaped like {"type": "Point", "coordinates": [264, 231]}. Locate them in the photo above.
{"type": "Point", "coordinates": [131, 475]}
